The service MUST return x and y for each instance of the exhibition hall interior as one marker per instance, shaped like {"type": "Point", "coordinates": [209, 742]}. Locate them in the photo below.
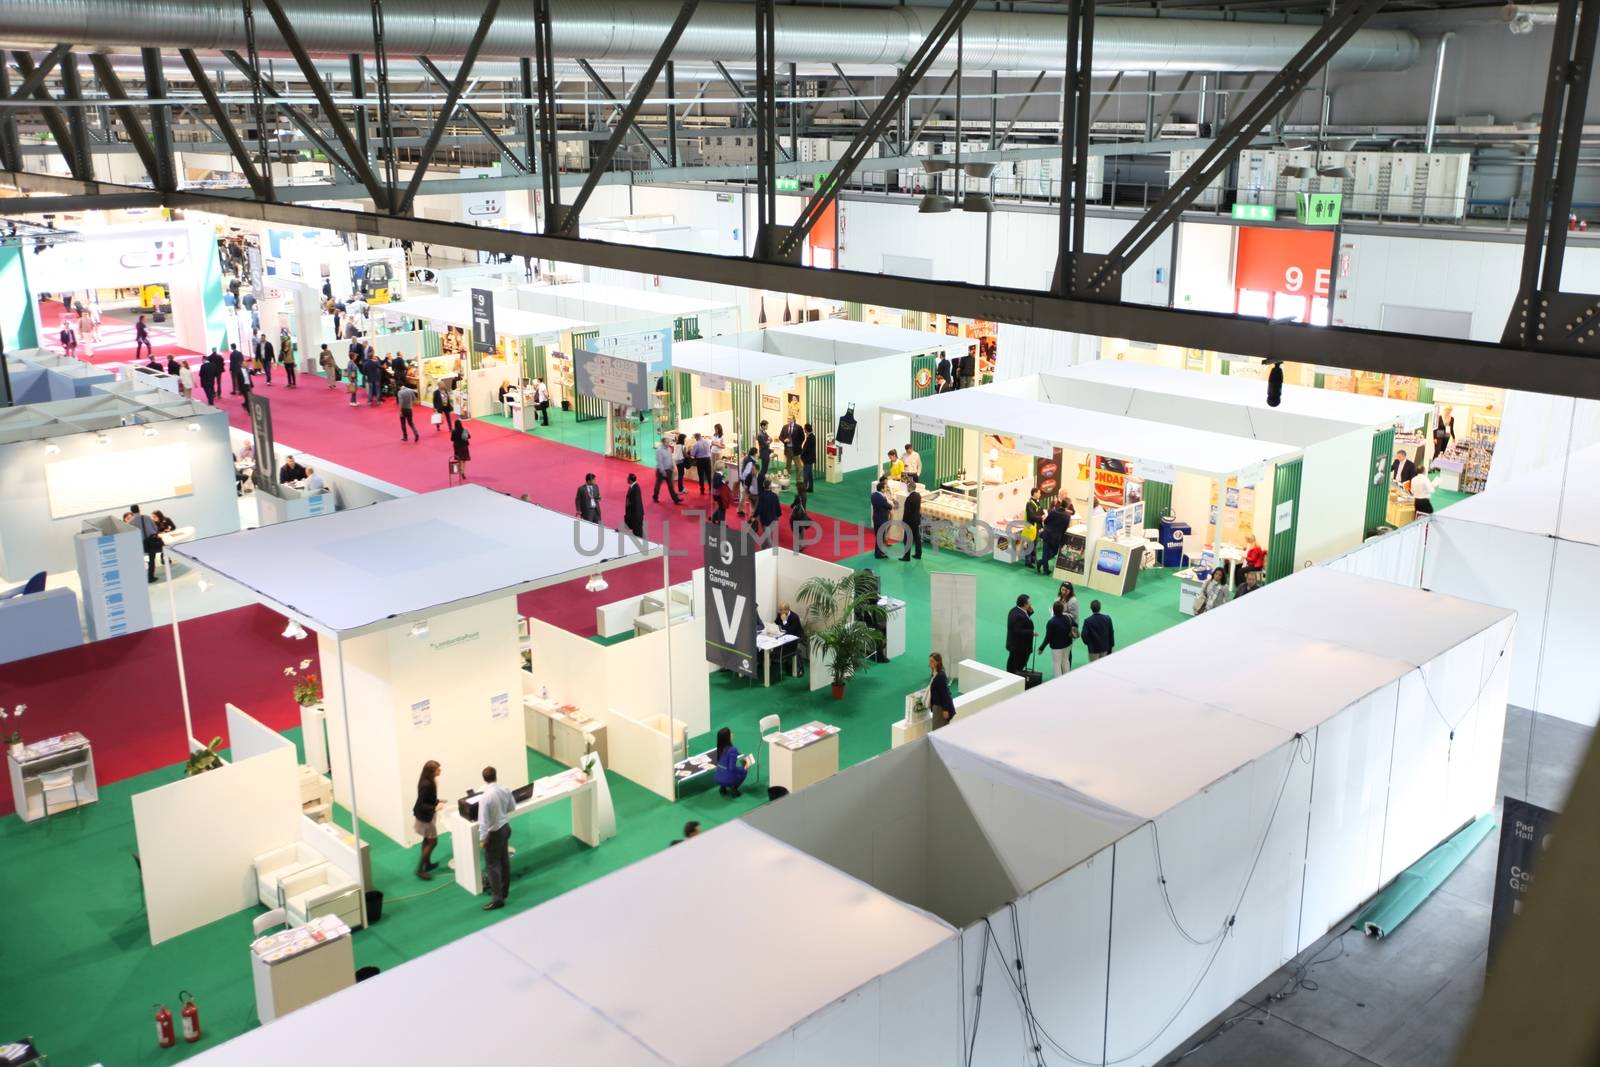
{"type": "Point", "coordinates": [740, 534]}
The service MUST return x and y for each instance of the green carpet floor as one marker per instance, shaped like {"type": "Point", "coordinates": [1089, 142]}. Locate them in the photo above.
{"type": "Point", "coordinates": [564, 427]}
{"type": "Point", "coordinates": [76, 934]}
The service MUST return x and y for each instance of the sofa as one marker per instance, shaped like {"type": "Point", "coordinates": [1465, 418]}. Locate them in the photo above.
{"type": "Point", "coordinates": [273, 867]}
{"type": "Point", "coordinates": [321, 890]}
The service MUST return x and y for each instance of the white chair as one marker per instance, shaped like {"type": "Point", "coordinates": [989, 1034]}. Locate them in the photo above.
{"type": "Point", "coordinates": [769, 727]}
{"type": "Point", "coordinates": [56, 782]}
{"type": "Point", "coordinates": [321, 890]}
{"type": "Point", "coordinates": [267, 920]}
{"type": "Point", "coordinates": [273, 867]}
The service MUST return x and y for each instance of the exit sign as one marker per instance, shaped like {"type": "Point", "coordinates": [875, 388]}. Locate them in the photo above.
{"type": "Point", "coordinates": [1318, 209]}
{"type": "Point", "coordinates": [787, 185]}
{"type": "Point", "coordinates": [1255, 212]}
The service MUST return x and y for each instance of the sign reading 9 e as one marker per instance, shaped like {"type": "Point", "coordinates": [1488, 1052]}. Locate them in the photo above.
{"type": "Point", "coordinates": [1284, 261]}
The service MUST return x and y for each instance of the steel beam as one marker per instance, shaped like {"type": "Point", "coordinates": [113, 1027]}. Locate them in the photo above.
{"type": "Point", "coordinates": [1076, 84]}
{"type": "Point", "coordinates": [258, 98]}
{"type": "Point", "coordinates": [568, 219]}
{"type": "Point", "coordinates": [129, 117]}
{"type": "Point", "coordinates": [1110, 95]}
{"type": "Point", "coordinates": [1177, 94]}
{"type": "Point", "coordinates": [77, 121]}
{"type": "Point", "coordinates": [766, 118]}
{"type": "Point", "coordinates": [672, 114]}
{"type": "Point", "coordinates": [922, 59]}
{"type": "Point", "coordinates": [219, 115]}
{"type": "Point", "coordinates": [53, 118]}
{"type": "Point", "coordinates": [1027, 97]}
{"type": "Point", "coordinates": [1278, 94]}
{"type": "Point", "coordinates": [155, 87]}
{"type": "Point", "coordinates": [301, 122]}
{"type": "Point", "coordinates": [10, 147]}
{"type": "Point", "coordinates": [380, 58]}
{"type": "Point", "coordinates": [475, 117]}
{"type": "Point", "coordinates": [452, 94]}
{"type": "Point", "coordinates": [549, 115]}
{"type": "Point", "coordinates": [35, 79]}
{"type": "Point", "coordinates": [630, 124]}
{"type": "Point", "coordinates": [358, 92]}
{"type": "Point", "coordinates": [330, 107]}
{"type": "Point", "coordinates": [930, 109]}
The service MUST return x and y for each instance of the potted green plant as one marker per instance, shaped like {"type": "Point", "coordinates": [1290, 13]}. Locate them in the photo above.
{"type": "Point", "coordinates": [307, 687]}
{"type": "Point", "coordinates": [204, 759]}
{"type": "Point", "coordinates": [842, 616]}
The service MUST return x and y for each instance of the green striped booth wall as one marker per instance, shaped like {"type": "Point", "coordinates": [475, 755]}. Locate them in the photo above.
{"type": "Point", "coordinates": [925, 443]}
{"type": "Point", "coordinates": [1157, 502]}
{"type": "Point", "coordinates": [1378, 481]}
{"type": "Point", "coordinates": [535, 360]}
{"type": "Point", "coordinates": [746, 413]}
{"type": "Point", "coordinates": [819, 407]}
{"type": "Point", "coordinates": [680, 391]}
{"type": "Point", "coordinates": [1285, 489]}
{"type": "Point", "coordinates": [948, 454]}
{"type": "Point", "coordinates": [586, 408]}
{"type": "Point", "coordinates": [686, 328]}
{"type": "Point", "coordinates": [431, 348]}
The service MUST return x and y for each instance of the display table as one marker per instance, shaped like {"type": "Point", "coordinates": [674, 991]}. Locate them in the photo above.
{"type": "Point", "coordinates": [803, 756]}
{"type": "Point", "coordinates": [894, 622]}
{"type": "Point", "coordinates": [297, 966]}
{"type": "Point", "coordinates": [1450, 470]}
{"type": "Point", "coordinates": [56, 773]}
{"type": "Point", "coordinates": [562, 732]}
{"type": "Point", "coordinates": [1189, 590]}
{"type": "Point", "coordinates": [571, 785]}
{"type": "Point", "coordinates": [1402, 508]}
{"type": "Point", "coordinates": [766, 644]}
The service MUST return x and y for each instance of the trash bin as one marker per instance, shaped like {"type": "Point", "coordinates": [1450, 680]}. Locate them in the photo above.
{"type": "Point", "coordinates": [363, 973]}
{"type": "Point", "coordinates": [374, 905]}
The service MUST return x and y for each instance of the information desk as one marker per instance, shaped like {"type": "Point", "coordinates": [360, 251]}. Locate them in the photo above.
{"type": "Point", "coordinates": [562, 732]}
{"type": "Point", "coordinates": [894, 626]}
{"type": "Point", "coordinates": [767, 644]}
{"type": "Point", "coordinates": [294, 967]}
{"type": "Point", "coordinates": [803, 756]}
{"type": "Point", "coordinates": [573, 785]}
{"type": "Point", "coordinates": [52, 775]}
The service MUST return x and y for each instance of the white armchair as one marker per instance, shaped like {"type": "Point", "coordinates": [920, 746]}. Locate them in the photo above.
{"type": "Point", "coordinates": [321, 890]}
{"type": "Point", "coordinates": [273, 867]}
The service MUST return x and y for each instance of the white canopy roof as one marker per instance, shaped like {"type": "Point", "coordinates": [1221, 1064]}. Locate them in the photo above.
{"type": "Point", "coordinates": [714, 356]}
{"type": "Point", "coordinates": [1557, 500]}
{"type": "Point", "coordinates": [1373, 412]}
{"type": "Point", "coordinates": [573, 295]}
{"type": "Point", "coordinates": [509, 320]}
{"type": "Point", "coordinates": [1213, 455]}
{"type": "Point", "coordinates": [764, 935]}
{"type": "Point", "coordinates": [337, 573]}
{"type": "Point", "coordinates": [847, 341]}
{"type": "Point", "coordinates": [1138, 732]}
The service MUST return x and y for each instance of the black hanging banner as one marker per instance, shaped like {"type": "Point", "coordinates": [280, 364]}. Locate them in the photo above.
{"type": "Point", "coordinates": [731, 587]}
{"type": "Point", "coordinates": [266, 472]}
{"type": "Point", "coordinates": [483, 333]}
{"type": "Point", "coordinates": [1525, 833]}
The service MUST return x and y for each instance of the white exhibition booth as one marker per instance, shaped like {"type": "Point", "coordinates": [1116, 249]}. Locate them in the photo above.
{"type": "Point", "coordinates": [736, 388]}
{"type": "Point", "coordinates": [419, 666]}
{"type": "Point", "coordinates": [67, 461]}
{"type": "Point", "coordinates": [1148, 851]}
{"type": "Point", "coordinates": [689, 316]}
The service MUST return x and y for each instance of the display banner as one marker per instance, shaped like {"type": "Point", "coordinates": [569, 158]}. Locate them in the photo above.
{"type": "Point", "coordinates": [614, 379]}
{"type": "Point", "coordinates": [927, 425]}
{"type": "Point", "coordinates": [1526, 831]}
{"type": "Point", "coordinates": [1110, 480]}
{"type": "Point", "coordinates": [483, 333]}
{"type": "Point", "coordinates": [266, 473]}
{"type": "Point", "coordinates": [1036, 446]}
{"type": "Point", "coordinates": [731, 621]}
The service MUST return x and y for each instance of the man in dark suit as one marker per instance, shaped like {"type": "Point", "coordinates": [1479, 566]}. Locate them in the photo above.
{"type": "Point", "coordinates": [768, 510]}
{"type": "Point", "coordinates": [911, 515]}
{"type": "Point", "coordinates": [808, 456]}
{"type": "Point", "coordinates": [788, 621]}
{"type": "Point", "coordinates": [236, 370]}
{"type": "Point", "coordinates": [1019, 635]}
{"type": "Point", "coordinates": [588, 502]}
{"type": "Point", "coordinates": [880, 515]}
{"type": "Point", "coordinates": [1402, 470]}
{"type": "Point", "coordinates": [1054, 533]}
{"type": "Point", "coordinates": [632, 507]}
{"type": "Point", "coordinates": [942, 369]}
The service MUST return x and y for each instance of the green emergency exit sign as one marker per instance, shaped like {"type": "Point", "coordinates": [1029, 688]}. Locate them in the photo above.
{"type": "Point", "coordinates": [787, 185]}
{"type": "Point", "coordinates": [1318, 209]}
{"type": "Point", "coordinates": [1255, 212]}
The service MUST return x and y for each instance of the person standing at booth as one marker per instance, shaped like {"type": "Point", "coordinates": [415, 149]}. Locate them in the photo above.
{"type": "Point", "coordinates": [588, 502]}
{"type": "Point", "coordinates": [495, 805]}
{"type": "Point", "coordinates": [1422, 491]}
{"type": "Point", "coordinates": [913, 463]}
{"type": "Point", "coordinates": [808, 457]}
{"type": "Point", "coordinates": [632, 507]}
{"type": "Point", "coordinates": [1019, 635]}
{"type": "Point", "coordinates": [911, 515]}
{"type": "Point", "coordinates": [881, 511]}
{"type": "Point", "coordinates": [424, 813]}
{"type": "Point", "coordinates": [940, 705]}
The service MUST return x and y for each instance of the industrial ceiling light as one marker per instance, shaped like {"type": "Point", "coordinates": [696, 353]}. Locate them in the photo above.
{"type": "Point", "coordinates": [935, 166]}
{"type": "Point", "coordinates": [977, 170]}
{"type": "Point", "coordinates": [1296, 144]}
{"type": "Point", "coordinates": [596, 583]}
{"type": "Point", "coordinates": [294, 631]}
{"type": "Point", "coordinates": [934, 204]}
{"type": "Point", "coordinates": [1294, 170]}
{"type": "Point", "coordinates": [978, 203]}
{"type": "Point", "coordinates": [1336, 172]}
{"type": "Point", "coordinates": [1345, 144]}
{"type": "Point", "coordinates": [420, 629]}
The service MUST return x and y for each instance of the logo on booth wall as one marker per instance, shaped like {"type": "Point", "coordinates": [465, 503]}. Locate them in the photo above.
{"type": "Point", "coordinates": [160, 254]}
{"type": "Point", "coordinates": [924, 378]}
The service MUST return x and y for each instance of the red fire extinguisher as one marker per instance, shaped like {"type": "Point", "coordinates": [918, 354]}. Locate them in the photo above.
{"type": "Point", "coordinates": [165, 1038]}
{"type": "Point", "coordinates": [191, 1017]}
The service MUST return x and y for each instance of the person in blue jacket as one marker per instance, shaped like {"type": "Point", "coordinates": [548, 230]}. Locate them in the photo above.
{"type": "Point", "coordinates": [730, 772]}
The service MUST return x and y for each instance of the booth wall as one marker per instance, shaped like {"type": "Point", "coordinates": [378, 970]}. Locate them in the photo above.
{"type": "Point", "coordinates": [198, 839]}
{"type": "Point", "coordinates": [31, 540]}
{"type": "Point", "coordinates": [467, 657]}
{"type": "Point", "coordinates": [1392, 557]}
{"type": "Point", "coordinates": [1333, 497]}
{"type": "Point", "coordinates": [17, 328]}
{"type": "Point", "coordinates": [1024, 350]}
{"type": "Point", "coordinates": [867, 385]}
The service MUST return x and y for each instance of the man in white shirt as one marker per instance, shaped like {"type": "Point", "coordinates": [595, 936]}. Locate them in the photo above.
{"type": "Point", "coordinates": [913, 462]}
{"type": "Point", "coordinates": [1422, 491]}
{"type": "Point", "coordinates": [495, 805]}
{"type": "Point", "coordinates": [314, 482]}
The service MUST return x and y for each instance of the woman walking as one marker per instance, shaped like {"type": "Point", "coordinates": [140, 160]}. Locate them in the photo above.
{"type": "Point", "coordinates": [460, 438]}
{"type": "Point", "coordinates": [424, 812]}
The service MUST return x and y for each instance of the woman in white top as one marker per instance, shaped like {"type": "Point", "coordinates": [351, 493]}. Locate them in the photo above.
{"type": "Point", "coordinates": [717, 446]}
{"type": "Point", "coordinates": [185, 380]}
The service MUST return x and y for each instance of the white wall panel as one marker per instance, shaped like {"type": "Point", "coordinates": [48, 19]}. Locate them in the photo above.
{"type": "Point", "coordinates": [1568, 684]}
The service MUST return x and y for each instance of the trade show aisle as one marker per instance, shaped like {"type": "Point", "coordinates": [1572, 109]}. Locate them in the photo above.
{"type": "Point", "coordinates": [88, 937]}
{"type": "Point", "coordinates": [564, 428]}
{"type": "Point", "coordinates": [123, 695]}
{"type": "Point", "coordinates": [116, 342]}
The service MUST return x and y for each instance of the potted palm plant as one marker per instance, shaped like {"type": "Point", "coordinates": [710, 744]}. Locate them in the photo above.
{"type": "Point", "coordinates": [842, 618]}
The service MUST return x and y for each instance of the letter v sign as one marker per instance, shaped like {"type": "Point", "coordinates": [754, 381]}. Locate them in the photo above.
{"type": "Point", "coordinates": [730, 625]}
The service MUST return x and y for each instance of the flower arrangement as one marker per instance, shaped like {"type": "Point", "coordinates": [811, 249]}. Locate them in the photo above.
{"type": "Point", "coordinates": [308, 687]}
{"type": "Point", "coordinates": [14, 738]}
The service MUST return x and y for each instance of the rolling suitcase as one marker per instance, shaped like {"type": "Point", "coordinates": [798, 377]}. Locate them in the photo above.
{"type": "Point", "coordinates": [1031, 677]}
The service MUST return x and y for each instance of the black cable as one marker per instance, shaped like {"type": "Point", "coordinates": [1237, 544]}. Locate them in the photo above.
{"type": "Point", "coordinates": [1299, 981]}
{"type": "Point", "coordinates": [977, 1011]}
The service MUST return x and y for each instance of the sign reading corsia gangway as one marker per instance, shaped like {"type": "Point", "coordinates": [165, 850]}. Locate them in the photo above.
{"type": "Point", "coordinates": [482, 320]}
{"type": "Point", "coordinates": [615, 379]}
{"type": "Point", "coordinates": [266, 471]}
{"type": "Point", "coordinates": [1525, 833]}
{"type": "Point", "coordinates": [731, 587]}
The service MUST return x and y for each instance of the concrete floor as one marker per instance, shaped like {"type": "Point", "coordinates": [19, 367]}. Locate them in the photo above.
{"type": "Point", "coordinates": [1403, 1001]}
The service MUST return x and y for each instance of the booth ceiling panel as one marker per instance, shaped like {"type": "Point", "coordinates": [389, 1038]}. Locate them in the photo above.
{"type": "Point", "coordinates": [369, 567]}
{"type": "Point", "coordinates": [1196, 451]}
{"type": "Point", "coordinates": [1373, 412]}
{"type": "Point", "coordinates": [1558, 499]}
{"type": "Point", "coordinates": [509, 320]}
{"type": "Point", "coordinates": [793, 935]}
{"type": "Point", "coordinates": [651, 300]}
{"type": "Point", "coordinates": [740, 364]}
{"type": "Point", "coordinates": [848, 341]}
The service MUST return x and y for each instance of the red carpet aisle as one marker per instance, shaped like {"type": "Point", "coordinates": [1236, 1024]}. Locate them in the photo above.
{"type": "Point", "coordinates": [116, 337]}
{"type": "Point", "coordinates": [123, 693]}
{"type": "Point", "coordinates": [367, 438]}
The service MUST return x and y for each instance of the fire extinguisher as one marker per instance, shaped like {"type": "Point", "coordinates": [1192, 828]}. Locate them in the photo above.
{"type": "Point", "coordinates": [165, 1038]}
{"type": "Point", "coordinates": [191, 1017]}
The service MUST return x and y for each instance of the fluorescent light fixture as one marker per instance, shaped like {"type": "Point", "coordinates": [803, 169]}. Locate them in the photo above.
{"type": "Point", "coordinates": [51, 448]}
{"type": "Point", "coordinates": [596, 584]}
{"type": "Point", "coordinates": [420, 629]}
{"type": "Point", "coordinates": [294, 631]}
{"type": "Point", "coordinates": [1296, 144]}
{"type": "Point", "coordinates": [934, 204]}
